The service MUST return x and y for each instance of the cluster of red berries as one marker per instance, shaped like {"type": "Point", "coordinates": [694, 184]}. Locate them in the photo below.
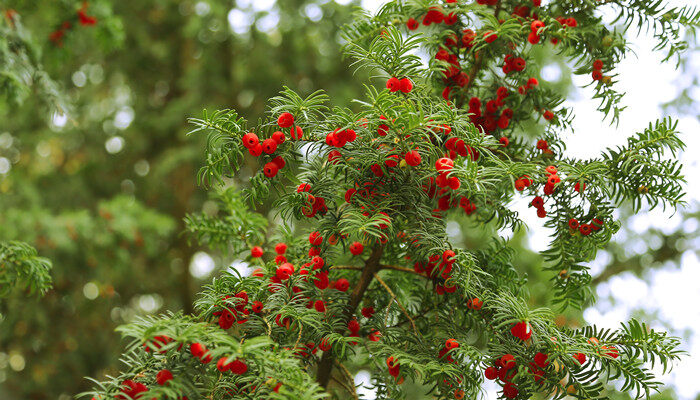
{"type": "Point", "coordinates": [544, 146]}
{"type": "Point", "coordinates": [134, 390]}
{"type": "Point", "coordinates": [597, 73]}
{"type": "Point", "coordinates": [339, 137]}
{"type": "Point", "coordinates": [235, 366]}
{"type": "Point", "coordinates": [56, 37]}
{"type": "Point", "coordinates": [239, 312]}
{"type": "Point", "coordinates": [513, 64]}
{"type": "Point", "coordinates": [435, 15]}
{"type": "Point", "coordinates": [131, 389]}
{"type": "Point", "coordinates": [313, 204]}
{"type": "Point", "coordinates": [504, 369]}
{"type": "Point", "coordinates": [438, 267]}
{"type": "Point", "coordinates": [395, 84]}
{"type": "Point", "coordinates": [585, 229]}
{"type": "Point", "coordinates": [529, 85]}
{"type": "Point", "coordinates": [450, 344]}
{"type": "Point", "coordinates": [269, 146]}
{"type": "Point", "coordinates": [535, 27]}
{"type": "Point", "coordinates": [488, 116]}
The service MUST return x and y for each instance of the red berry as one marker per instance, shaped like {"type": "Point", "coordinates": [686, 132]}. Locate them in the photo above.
{"type": "Point", "coordinates": [198, 350]}
{"type": "Point", "coordinates": [510, 391]}
{"type": "Point", "coordinates": [507, 361]}
{"type": "Point", "coordinates": [405, 85]}
{"type": "Point", "coordinates": [284, 271]}
{"type": "Point", "coordinates": [222, 365]}
{"type": "Point", "coordinates": [163, 376]}
{"type": "Point", "coordinates": [585, 229]}
{"type": "Point", "coordinates": [451, 344]}
{"type": "Point", "coordinates": [573, 223]}
{"type": "Point", "coordinates": [255, 150]}
{"type": "Point", "coordinates": [611, 351]}
{"type": "Point", "coordinates": [279, 162]}
{"type": "Point", "coordinates": [281, 248]}
{"type": "Point", "coordinates": [320, 306]}
{"type": "Point", "coordinates": [353, 326]}
{"type": "Point", "coordinates": [238, 367]}
{"type": "Point", "coordinates": [257, 307]}
{"type": "Point", "coordinates": [548, 115]}
{"type": "Point", "coordinates": [279, 137]}
{"type": "Point", "coordinates": [536, 25]}
{"type": "Point", "coordinates": [598, 64]}
{"type": "Point", "coordinates": [412, 24]}
{"type": "Point", "coordinates": [490, 36]}
{"type": "Point", "coordinates": [491, 373]}
{"type": "Point", "coordinates": [325, 344]}
{"type": "Point", "coordinates": [269, 146]}
{"type": "Point", "coordinates": [541, 360]}
{"type": "Point", "coordinates": [342, 285]}
{"type": "Point", "coordinates": [367, 312]}
{"type": "Point", "coordinates": [250, 140]}
{"type": "Point", "coordinates": [256, 252]}
{"type": "Point", "coordinates": [538, 202]}
{"type": "Point", "coordinates": [285, 120]}
{"type": "Point", "coordinates": [393, 84]}
{"type": "Point", "coordinates": [475, 304]}
{"type": "Point", "coordinates": [521, 330]}
{"type": "Point", "coordinates": [356, 248]}
{"type": "Point", "coordinates": [315, 238]}
{"type": "Point", "coordinates": [533, 38]}
{"type": "Point", "coordinates": [413, 158]}
{"type": "Point", "coordinates": [270, 170]}
{"type": "Point", "coordinates": [297, 133]}
{"type": "Point", "coordinates": [444, 164]}
{"type": "Point", "coordinates": [580, 357]}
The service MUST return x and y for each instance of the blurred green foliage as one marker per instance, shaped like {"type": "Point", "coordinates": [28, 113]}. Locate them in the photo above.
{"type": "Point", "coordinates": [100, 171]}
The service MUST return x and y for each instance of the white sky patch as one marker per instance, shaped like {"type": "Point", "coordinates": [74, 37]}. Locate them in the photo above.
{"type": "Point", "coordinates": [239, 21]}
{"type": "Point", "coordinates": [242, 267]}
{"type": "Point", "coordinates": [114, 144]}
{"type": "Point", "coordinates": [201, 265]}
{"type": "Point", "coordinates": [268, 22]}
{"type": "Point", "coordinates": [59, 120]}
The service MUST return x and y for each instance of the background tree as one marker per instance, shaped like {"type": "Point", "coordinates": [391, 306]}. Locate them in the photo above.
{"type": "Point", "coordinates": [97, 171]}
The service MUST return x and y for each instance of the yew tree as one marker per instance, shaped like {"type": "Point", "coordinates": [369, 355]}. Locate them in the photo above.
{"type": "Point", "coordinates": [357, 269]}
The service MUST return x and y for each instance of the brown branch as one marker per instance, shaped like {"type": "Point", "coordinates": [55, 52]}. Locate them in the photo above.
{"type": "Point", "coordinates": [346, 267]}
{"type": "Point", "coordinates": [394, 299]}
{"type": "Point", "coordinates": [325, 366]}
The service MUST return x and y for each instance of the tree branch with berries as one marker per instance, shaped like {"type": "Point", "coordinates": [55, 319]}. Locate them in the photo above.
{"type": "Point", "coordinates": [358, 267]}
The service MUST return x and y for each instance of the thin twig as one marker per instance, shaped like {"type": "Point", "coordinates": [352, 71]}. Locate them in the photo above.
{"type": "Point", "coordinates": [402, 269]}
{"type": "Point", "coordinates": [344, 385]}
{"type": "Point", "coordinates": [301, 329]}
{"type": "Point", "coordinates": [352, 267]}
{"type": "Point", "coordinates": [393, 298]}
{"type": "Point", "coordinates": [351, 380]}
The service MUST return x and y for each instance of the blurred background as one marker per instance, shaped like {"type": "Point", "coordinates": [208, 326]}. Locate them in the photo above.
{"type": "Point", "coordinates": [97, 172]}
